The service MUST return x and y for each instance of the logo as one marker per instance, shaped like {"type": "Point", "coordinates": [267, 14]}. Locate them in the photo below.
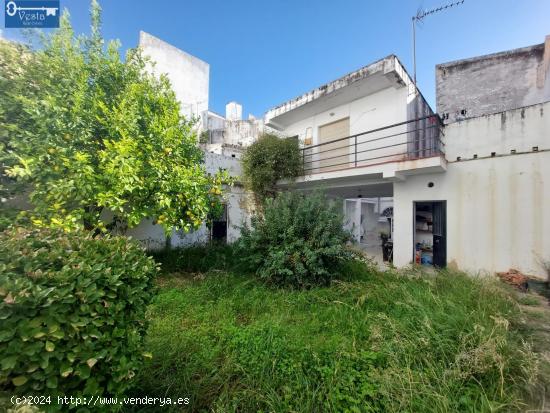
{"type": "Point", "coordinates": [32, 14]}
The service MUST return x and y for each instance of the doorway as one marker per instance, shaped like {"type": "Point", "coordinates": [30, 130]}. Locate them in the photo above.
{"type": "Point", "coordinates": [219, 227]}
{"type": "Point", "coordinates": [430, 233]}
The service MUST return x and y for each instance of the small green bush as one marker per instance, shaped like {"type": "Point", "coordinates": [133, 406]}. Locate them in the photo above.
{"type": "Point", "coordinates": [299, 240]}
{"type": "Point", "coordinates": [268, 160]}
{"type": "Point", "coordinates": [72, 311]}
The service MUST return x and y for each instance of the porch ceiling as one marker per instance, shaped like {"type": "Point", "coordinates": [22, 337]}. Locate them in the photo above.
{"type": "Point", "coordinates": [350, 188]}
{"type": "Point", "coordinates": [362, 191]}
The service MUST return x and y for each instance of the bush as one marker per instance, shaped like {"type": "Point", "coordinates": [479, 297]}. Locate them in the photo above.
{"type": "Point", "coordinates": [268, 160]}
{"type": "Point", "coordinates": [298, 241]}
{"type": "Point", "coordinates": [72, 308]}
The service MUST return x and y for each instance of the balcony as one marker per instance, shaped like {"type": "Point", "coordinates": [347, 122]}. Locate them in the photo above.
{"type": "Point", "coordinates": [399, 149]}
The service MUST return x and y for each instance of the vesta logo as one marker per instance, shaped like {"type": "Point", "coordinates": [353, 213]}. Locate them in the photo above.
{"type": "Point", "coordinates": [32, 13]}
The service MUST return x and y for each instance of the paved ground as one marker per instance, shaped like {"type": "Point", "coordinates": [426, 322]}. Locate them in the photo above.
{"type": "Point", "coordinates": [375, 252]}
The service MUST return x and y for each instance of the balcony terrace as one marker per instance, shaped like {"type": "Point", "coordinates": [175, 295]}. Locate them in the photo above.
{"type": "Point", "coordinates": [384, 154]}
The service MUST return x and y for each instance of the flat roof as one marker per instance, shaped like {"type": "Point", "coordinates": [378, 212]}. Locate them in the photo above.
{"type": "Point", "coordinates": [497, 55]}
{"type": "Point", "coordinates": [369, 79]}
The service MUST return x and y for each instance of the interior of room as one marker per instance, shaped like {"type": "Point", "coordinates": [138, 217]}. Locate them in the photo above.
{"type": "Point", "coordinates": [424, 233]}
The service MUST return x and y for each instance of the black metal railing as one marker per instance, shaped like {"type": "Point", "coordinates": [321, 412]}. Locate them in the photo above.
{"type": "Point", "coordinates": [409, 140]}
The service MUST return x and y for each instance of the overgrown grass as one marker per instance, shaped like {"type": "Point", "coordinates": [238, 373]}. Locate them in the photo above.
{"type": "Point", "coordinates": [388, 342]}
{"type": "Point", "coordinates": [198, 258]}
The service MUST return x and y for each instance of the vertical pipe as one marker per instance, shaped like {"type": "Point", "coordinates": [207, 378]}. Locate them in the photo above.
{"type": "Point", "coordinates": [414, 50]}
{"type": "Point", "coordinates": [414, 81]}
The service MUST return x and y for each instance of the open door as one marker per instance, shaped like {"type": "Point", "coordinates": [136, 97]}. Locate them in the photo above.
{"type": "Point", "coordinates": [430, 233]}
{"type": "Point", "coordinates": [219, 227]}
{"type": "Point", "coordinates": [440, 234]}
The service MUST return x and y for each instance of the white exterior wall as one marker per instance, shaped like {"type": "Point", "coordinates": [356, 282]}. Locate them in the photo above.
{"type": "Point", "coordinates": [233, 111]}
{"type": "Point", "coordinates": [497, 207]}
{"type": "Point", "coordinates": [380, 109]}
{"type": "Point", "coordinates": [239, 207]}
{"type": "Point", "coordinates": [188, 75]}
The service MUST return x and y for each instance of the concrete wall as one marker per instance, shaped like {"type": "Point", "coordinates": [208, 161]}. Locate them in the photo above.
{"type": "Point", "coordinates": [188, 75]}
{"type": "Point", "coordinates": [380, 109]}
{"type": "Point", "coordinates": [497, 206]}
{"type": "Point", "coordinates": [494, 83]}
{"type": "Point", "coordinates": [231, 131]}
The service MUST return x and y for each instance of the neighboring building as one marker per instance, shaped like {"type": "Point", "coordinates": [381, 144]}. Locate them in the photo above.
{"type": "Point", "coordinates": [231, 134]}
{"type": "Point", "coordinates": [188, 75]}
{"type": "Point", "coordinates": [472, 194]}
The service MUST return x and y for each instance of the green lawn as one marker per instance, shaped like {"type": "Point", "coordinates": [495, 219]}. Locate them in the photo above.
{"type": "Point", "coordinates": [378, 342]}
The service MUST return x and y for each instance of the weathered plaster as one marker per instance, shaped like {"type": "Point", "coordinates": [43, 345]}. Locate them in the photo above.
{"type": "Point", "coordinates": [493, 83]}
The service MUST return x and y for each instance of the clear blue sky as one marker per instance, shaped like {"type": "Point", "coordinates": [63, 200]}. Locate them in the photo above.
{"type": "Point", "coordinates": [262, 53]}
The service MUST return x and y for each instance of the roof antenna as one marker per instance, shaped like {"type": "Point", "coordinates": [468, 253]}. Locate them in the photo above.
{"type": "Point", "coordinates": [420, 14]}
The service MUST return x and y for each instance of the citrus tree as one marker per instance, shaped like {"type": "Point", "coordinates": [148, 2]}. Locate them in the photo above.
{"type": "Point", "coordinates": [95, 132]}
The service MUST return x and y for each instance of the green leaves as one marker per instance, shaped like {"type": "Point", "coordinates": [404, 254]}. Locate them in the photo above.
{"type": "Point", "coordinates": [19, 380]}
{"type": "Point", "coordinates": [8, 362]}
{"type": "Point", "coordinates": [268, 160]}
{"type": "Point", "coordinates": [88, 131]}
{"type": "Point", "coordinates": [62, 337]}
{"type": "Point", "coordinates": [299, 240]}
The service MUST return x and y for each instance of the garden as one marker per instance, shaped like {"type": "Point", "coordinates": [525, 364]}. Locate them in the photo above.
{"type": "Point", "coordinates": [280, 321]}
{"type": "Point", "coordinates": [292, 317]}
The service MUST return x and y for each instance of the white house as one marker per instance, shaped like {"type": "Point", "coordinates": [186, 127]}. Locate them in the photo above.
{"type": "Point", "coordinates": [470, 189]}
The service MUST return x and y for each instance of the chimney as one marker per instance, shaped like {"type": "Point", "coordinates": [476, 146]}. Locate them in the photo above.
{"type": "Point", "coordinates": [233, 111]}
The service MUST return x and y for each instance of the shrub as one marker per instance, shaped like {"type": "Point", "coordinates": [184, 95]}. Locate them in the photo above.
{"type": "Point", "coordinates": [298, 241]}
{"type": "Point", "coordinates": [72, 308]}
{"type": "Point", "coordinates": [268, 160]}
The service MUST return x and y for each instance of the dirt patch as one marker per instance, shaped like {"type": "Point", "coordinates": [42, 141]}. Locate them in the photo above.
{"type": "Point", "coordinates": [514, 278]}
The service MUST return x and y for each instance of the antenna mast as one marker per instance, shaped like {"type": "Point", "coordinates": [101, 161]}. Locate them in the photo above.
{"type": "Point", "coordinates": [419, 16]}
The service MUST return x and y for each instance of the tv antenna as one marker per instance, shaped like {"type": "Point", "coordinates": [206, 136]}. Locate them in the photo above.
{"type": "Point", "coordinates": [418, 18]}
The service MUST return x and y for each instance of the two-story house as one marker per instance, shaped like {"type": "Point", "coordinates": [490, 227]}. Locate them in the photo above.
{"type": "Point", "coordinates": [470, 186]}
